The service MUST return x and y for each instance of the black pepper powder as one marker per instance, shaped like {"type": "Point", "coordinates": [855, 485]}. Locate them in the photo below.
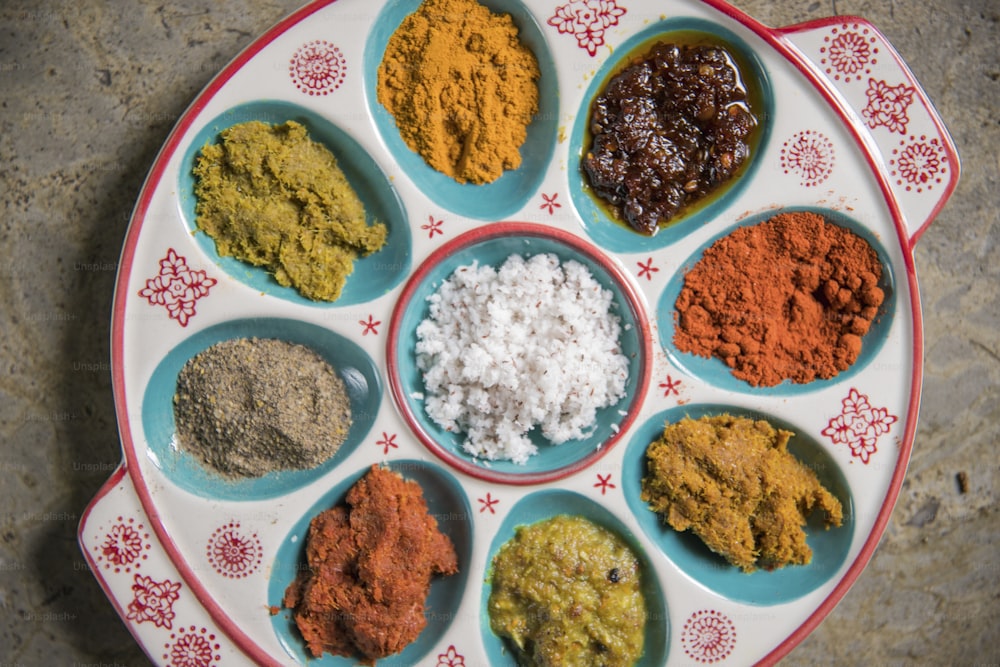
{"type": "Point", "coordinates": [246, 407]}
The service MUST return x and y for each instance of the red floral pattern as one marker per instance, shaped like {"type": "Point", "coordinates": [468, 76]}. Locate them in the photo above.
{"type": "Point", "coordinates": [708, 636]}
{"type": "Point", "coordinates": [888, 105]}
{"type": "Point", "coordinates": [549, 202]}
{"type": "Point", "coordinates": [232, 553]}
{"type": "Point", "coordinates": [670, 386]}
{"type": "Point", "coordinates": [647, 269]}
{"type": "Point", "coordinates": [604, 483]}
{"type": "Point", "coordinates": [370, 326]}
{"type": "Point", "coordinates": [919, 164]}
{"type": "Point", "coordinates": [587, 20]}
{"type": "Point", "coordinates": [387, 442]}
{"type": "Point", "coordinates": [859, 425]}
{"type": "Point", "coordinates": [153, 602]}
{"type": "Point", "coordinates": [451, 658]}
{"type": "Point", "coordinates": [191, 647]}
{"type": "Point", "coordinates": [177, 287]}
{"type": "Point", "coordinates": [810, 155]}
{"type": "Point", "coordinates": [850, 53]}
{"type": "Point", "coordinates": [123, 546]}
{"type": "Point", "coordinates": [433, 227]}
{"type": "Point", "coordinates": [318, 68]}
{"type": "Point", "coordinates": [488, 504]}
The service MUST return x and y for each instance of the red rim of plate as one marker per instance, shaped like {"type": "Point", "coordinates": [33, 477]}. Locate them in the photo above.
{"type": "Point", "coordinates": [521, 230]}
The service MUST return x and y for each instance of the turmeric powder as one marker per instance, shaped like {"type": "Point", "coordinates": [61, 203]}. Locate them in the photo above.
{"type": "Point", "coordinates": [461, 87]}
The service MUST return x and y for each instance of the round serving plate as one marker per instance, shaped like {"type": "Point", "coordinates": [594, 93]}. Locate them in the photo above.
{"type": "Point", "coordinates": [196, 565]}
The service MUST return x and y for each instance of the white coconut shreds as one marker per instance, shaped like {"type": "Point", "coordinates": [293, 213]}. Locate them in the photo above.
{"type": "Point", "coordinates": [533, 344]}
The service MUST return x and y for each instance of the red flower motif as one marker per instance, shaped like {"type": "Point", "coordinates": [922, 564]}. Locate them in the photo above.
{"type": "Point", "coordinates": [549, 202]}
{"type": "Point", "coordinates": [604, 483]}
{"type": "Point", "coordinates": [370, 326]}
{"type": "Point", "coordinates": [177, 287]}
{"type": "Point", "coordinates": [154, 601]}
{"type": "Point", "coordinates": [708, 636]}
{"type": "Point", "coordinates": [122, 545]}
{"type": "Point", "coordinates": [451, 658]}
{"type": "Point", "coordinates": [647, 269]}
{"type": "Point", "coordinates": [849, 53]}
{"type": "Point", "coordinates": [919, 164]}
{"type": "Point", "coordinates": [888, 105]}
{"type": "Point", "coordinates": [587, 20]}
{"type": "Point", "coordinates": [670, 386]}
{"type": "Point", "coordinates": [488, 503]}
{"type": "Point", "coordinates": [433, 227]}
{"type": "Point", "coordinates": [233, 554]}
{"type": "Point", "coordinates": [190, 649]}
{"type": "Point", "coordinates": [318, 68]}
{"type": "Point", "coordinates": [810, 155]}
{"type": "Point", "coordinates": [859, 425]}
{"type": "Point", "coordinates": [388, 442]}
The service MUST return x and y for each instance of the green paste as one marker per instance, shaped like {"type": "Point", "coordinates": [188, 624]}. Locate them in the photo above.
{"type": "Point", "coordinates": [566, 591]}
{"type": "Point", "coordinates": [272, 197]}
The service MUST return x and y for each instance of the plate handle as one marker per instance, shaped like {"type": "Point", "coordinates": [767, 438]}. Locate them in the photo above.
{"type": "Point", "coordinates": [864, 76]}
{"type": "Point", "coordinates": [154, 602]}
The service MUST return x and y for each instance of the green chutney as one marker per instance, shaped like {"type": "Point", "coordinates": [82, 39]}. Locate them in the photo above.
{"type": "Point", "coordinates": [566, 591]}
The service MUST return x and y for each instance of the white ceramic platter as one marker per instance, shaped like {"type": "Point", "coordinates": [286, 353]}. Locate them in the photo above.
{"type": "Point", "coordinates": [192, 564]}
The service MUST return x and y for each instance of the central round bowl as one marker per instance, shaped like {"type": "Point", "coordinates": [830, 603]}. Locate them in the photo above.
{"type": "Point", "coordinates": [491, 245]}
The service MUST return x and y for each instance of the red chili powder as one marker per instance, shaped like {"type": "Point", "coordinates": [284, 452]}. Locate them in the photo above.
{"type": "Point", "coordinates": [786, 299]}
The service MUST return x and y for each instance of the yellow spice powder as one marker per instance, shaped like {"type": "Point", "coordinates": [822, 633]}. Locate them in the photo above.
{"type": "Point", "coordinates": [461, 87]}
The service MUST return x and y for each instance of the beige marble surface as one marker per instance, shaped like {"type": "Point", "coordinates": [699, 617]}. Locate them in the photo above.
{"type": "Point", "coordinates": [90, 89]}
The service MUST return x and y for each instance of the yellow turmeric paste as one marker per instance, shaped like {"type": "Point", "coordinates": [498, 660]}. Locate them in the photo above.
{"type": "Point", "coordinates": [462, 88]}
{"type": "Point", "coordinates": [272, 197]}
{"type": "Point", "coordinates": [733, 482]}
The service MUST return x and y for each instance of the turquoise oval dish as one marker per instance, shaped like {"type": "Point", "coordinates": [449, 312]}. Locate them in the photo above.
{"type": "Point", "coordinates": [491, 245]}
{"type": "Point", "coordinates": [715, 372]}
{"type": "Point", "coordinates": [446, 501]}
{"type": "Point", "coordinates": [358, 371]}
{"type": "Point", "coordinates": [509, 193]}
{"type": "Point", "coordinates": [542, 505]}
{"type": "Point", "coordinates": [374, 275]}
{"type": "Point", "coordinates": [616, 235]}
{"type": "Point", "coordinates": [689, 553]}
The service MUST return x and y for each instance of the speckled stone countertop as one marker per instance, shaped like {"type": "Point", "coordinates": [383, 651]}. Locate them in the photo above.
{"type": "Point", "coordinates": [90, 91]}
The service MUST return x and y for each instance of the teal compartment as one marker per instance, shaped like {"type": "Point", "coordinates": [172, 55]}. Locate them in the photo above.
{"type": "Point", "coordinates": [446, 501]}
{"type": "Point", "coordinates": [715, 372]}
{"type": "Point", "coordinates": [491, 246]}
{"type": "Point", "coordinates": [509, 193]}
{"type": "Point", "coordinates": [360, 375]}
{"type": "Point", "coordinates": [687, 551]}
{"type": "Point", "coordinates": [615, 235]}
{"type": "Point", "coordinates": [546, 504]}
{"type": "Point", "coordinates": [374, 275]}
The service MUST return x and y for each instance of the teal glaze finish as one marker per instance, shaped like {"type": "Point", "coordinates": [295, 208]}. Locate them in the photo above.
{"type": "Point", "coordinates": [542, 505]}
{"type": "Point", "coordinates": [714, 370]}
{"type": "Point", "coordinates": [491, 246]}
{"type": "Point", "coordinates": [446, 501]}
{"type": "Point", "coordinates": [374, 275]}
{"type": "Point", "coordinates": [689, 553]}
{"type": "Point", "coordinates": [359, 373]}
{"type": "Point", "coordinates": [616, 236]}
{"type": "Point", "coordinates": [509, 193]}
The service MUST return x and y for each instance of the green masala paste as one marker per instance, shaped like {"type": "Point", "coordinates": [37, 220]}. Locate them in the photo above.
{"type": "Point", "coordinates": [566, 591]}
{"type": "Point", "coordinates": [272, 197]}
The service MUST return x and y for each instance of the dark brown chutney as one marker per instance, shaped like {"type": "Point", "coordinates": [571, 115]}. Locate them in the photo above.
{"type": "Point", "coordinates": [667, 130]}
